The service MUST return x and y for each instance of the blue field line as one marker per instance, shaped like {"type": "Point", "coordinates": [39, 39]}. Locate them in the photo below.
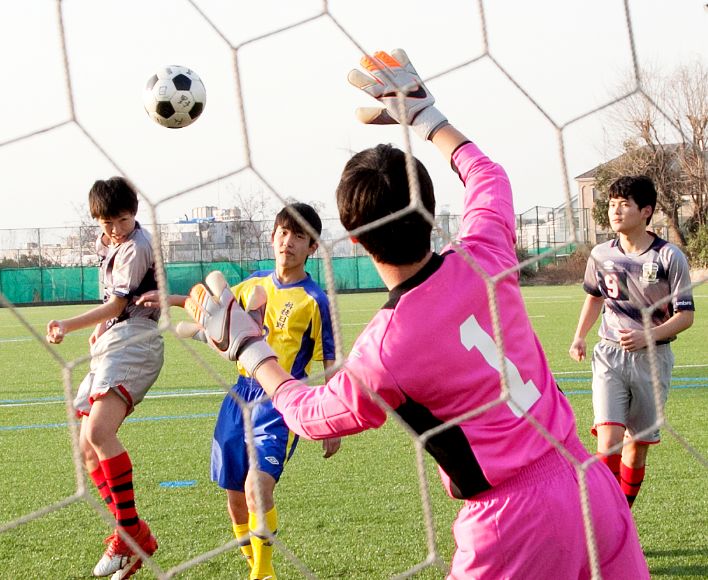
{"type": "Point", "coordinates": [179, 483]}
{"type": "Point", "coordinates": [33, 400]}
{"type": "Point", "coordinates": [673, 388]}
{"type": "Point", "coordinates": [208, 415]}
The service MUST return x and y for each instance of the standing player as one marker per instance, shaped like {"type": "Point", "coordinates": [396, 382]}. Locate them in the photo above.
{"type": "Point", "coordinates": [430, 355]}
{"type": "Point", "coordinates": [122, 369]}
{"type": "Point", "coordinates": [625, 275]}
{"type": "Point", "coordinates": [299, 329]}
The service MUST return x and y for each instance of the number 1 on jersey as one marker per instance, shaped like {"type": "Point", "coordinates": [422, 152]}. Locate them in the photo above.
{"type": "Point", "coordinates": [524, 395]}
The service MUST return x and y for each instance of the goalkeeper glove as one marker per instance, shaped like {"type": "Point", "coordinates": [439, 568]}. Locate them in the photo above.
{"type": "Point", "coordinates": [255, 307]}
{"type": "Point", "coordinates": [391, 74]}
{"type": "Point", "coordinates": [232, 332]}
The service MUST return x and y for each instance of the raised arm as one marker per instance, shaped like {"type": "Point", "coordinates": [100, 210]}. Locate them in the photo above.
{"type": "Point", "coordinates": [394, 83]}
{"type": "Point", "coordinates": [447, 140]}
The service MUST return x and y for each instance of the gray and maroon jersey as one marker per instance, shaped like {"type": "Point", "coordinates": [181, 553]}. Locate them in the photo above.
{"type": "Point", "coordinates": [630, 282]}
{"type": "Point", "coordinates": [128, 270]}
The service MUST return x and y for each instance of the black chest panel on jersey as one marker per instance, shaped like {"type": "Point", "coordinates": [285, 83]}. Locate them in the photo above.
{"type": "Point", "coordinates": [450, 449]}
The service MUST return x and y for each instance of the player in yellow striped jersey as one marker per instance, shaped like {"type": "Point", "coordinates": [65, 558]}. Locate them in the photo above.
{"type": "Point", "coordinates": [299, 329]}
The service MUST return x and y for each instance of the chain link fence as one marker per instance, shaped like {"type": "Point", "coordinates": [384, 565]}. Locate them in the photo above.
{"type": "Point", "coordinates": [59, 265]}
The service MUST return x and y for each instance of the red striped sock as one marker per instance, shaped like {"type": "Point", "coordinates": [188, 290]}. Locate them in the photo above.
{"type": "Point", "coordinates": [630, 481]}
{"type": "Point", "coordinates": [103, 490]}
{"type": "Point", "coordinates": [613, 462]}
{"type": "Point", "coordinates": [119, 475]}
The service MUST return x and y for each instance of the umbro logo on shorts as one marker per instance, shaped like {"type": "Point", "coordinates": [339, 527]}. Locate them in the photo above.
{"type": "Point", "coordinates": [272, 460]}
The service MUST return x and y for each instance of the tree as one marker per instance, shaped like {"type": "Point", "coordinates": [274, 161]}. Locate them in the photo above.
{"type": "Point", "coordinates": [697, 248]}
{"type": "Point", "coordinates": [87, 235]}
{"type": "Point", "coordinates": [668, 143]}
{"type": "Point", "coordinates": [257, 213]}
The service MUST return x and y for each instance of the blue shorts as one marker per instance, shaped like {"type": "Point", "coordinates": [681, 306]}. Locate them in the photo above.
{"type": "Point", "coordinates": [274, 442]}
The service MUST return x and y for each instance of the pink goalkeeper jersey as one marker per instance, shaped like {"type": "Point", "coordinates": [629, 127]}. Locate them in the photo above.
{"type": "Point", "coordinates": [430, 355]}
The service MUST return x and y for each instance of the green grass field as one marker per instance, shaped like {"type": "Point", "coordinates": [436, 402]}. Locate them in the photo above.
{"type": "Point", "coordinates": [356, 515]}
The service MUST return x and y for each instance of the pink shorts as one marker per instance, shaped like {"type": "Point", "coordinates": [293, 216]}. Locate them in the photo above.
{"type": "Point", "coordinates": [531, 526]}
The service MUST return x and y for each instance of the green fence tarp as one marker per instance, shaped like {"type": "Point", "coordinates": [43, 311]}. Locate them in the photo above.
{"type": "Point", "coordinates": [80, 284]}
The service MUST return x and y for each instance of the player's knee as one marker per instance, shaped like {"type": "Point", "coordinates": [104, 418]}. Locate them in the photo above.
{"type": "Point", "coordinates": [88, 454]}
{"type": "Point", "coordinates": [259, 492]}
{"type": "Point", "coordinates": [99, 435]}
{"type": "Point", "coordinates": [635, 454]}
{"type": "Point", "coordinates": [609, 436]}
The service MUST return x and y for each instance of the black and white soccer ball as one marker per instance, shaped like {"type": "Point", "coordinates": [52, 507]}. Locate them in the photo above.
{"type": "Point", "coordinates": [174, 96]}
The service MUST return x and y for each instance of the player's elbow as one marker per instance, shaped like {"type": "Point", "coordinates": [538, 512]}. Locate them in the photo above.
{"type": "Point", "coordinates": [687, 317]}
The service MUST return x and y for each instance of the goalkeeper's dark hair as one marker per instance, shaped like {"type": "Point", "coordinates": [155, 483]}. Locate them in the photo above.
{"type": "Point", "coordinates": [640, 188]}
{"type": "Point", "coordinates": [286, 219]}
{"type": "Point", "coordinates": [111, 197]}
{"type": "Point", "coordinates": [374, 184]}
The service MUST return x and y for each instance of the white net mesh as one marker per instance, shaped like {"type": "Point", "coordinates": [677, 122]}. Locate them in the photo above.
{"type": "Point", "coordinates": [257, 139]}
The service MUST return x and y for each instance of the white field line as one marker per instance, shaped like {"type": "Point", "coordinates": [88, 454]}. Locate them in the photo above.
{"type": "Point", "coordinates": [222, 393]}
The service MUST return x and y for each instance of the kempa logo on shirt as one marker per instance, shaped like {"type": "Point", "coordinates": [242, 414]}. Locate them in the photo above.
{"type": "Point", "coordinates": [649, 271]}
{"type": "Point", "coordinates": [273, 460]}
{"type": "Point", "coordinates": [608, 265]}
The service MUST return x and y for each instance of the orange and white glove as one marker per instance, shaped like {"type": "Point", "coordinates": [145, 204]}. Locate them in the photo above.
{"type": "Point", "coordinates": [228, 329]}
{"type": "Point", "coordinates": [388, 76]}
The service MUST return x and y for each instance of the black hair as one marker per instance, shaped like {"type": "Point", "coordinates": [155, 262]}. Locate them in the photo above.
{"type": "Point", "coordinates": [286, 219]}
{"type": "Point", "coordinates": [373, 185]}
{"type": "Point", "coordinates": [111, 197]}
{"type": "Point", "coordinates": [640, 188]}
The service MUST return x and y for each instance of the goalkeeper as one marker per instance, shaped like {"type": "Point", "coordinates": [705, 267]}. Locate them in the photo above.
{"type": "Point", "coordinates": [299, 328]}
{"type": "Point", "coordinates": [521, 516]}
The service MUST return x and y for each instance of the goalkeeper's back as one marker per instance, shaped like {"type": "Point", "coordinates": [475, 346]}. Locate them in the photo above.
{"type": "Point", "coordinates": [441, 318]}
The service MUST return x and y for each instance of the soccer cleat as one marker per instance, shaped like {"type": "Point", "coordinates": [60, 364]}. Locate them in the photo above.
{"type": "Point", "coordinates": [147, 543]}
{"type": "Point", "coordinates": [114, 558]}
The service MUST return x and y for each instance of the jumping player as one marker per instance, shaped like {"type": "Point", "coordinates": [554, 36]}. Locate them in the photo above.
{"type": "Point", "coordinates": [623, 276]}
{"type": "Point", "coordinates": [299, 329]}
{"type": "Point", "coordinates": [431, 355]}
{"type": "Point", "coordinates": [122, 369]}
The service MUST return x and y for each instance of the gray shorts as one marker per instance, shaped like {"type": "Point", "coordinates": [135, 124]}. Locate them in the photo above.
{"type": "Point", "coordinates": [622, 388]}
{"type": "Point", "coordinates": [120, 362]}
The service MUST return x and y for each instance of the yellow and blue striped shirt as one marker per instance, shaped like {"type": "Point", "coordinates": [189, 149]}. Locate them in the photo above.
{"type": "Point", "coordinates": [297, 321]}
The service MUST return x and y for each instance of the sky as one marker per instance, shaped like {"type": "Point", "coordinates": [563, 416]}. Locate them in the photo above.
{"type": "Point", "coordinates": [566, 58]}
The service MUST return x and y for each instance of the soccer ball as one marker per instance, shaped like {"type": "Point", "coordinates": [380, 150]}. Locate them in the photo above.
{"type": "Point", "coordinates": [174, 96]}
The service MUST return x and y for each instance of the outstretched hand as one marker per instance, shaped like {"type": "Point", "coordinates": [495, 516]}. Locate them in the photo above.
{"type": "Point", "coordinates": [232, 332]}
{"type": "Point", "coordinates": [388, 76]}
